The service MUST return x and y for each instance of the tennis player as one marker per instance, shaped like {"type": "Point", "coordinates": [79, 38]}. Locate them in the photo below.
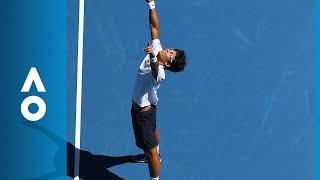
{"type": "Point", "coordinates": [144, 100]}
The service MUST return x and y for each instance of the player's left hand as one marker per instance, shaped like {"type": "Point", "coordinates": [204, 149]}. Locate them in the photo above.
{"type": "Point", "coordinates": [148, 49]}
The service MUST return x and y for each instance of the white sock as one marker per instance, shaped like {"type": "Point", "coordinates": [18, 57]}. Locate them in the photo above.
{"type": "Point", "coordinates": [156, 178]}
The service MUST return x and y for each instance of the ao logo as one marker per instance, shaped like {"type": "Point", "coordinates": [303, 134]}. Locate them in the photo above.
{"type": "Point", "coordinates": [33, 76]}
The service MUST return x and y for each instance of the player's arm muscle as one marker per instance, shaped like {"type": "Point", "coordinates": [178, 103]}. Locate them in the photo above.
{"type": "Point", "coordinates": [154, 23]}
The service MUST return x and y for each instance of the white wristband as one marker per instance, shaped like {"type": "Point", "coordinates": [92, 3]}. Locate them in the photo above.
{"type": "Point", "coordinates": [152, 5]}
{"type": "Point", "coordinates": [154, 59]}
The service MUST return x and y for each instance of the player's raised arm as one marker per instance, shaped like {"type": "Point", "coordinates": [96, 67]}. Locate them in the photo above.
{"type": "Point", "coordinates": [153, 20]}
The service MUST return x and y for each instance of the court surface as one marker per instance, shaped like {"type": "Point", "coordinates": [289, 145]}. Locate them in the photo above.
{"type": "Point", "coordinates": [244, 107]}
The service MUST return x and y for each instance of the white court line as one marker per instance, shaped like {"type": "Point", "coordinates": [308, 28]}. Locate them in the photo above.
{"type": "Point", "coordinates": [79, 89]}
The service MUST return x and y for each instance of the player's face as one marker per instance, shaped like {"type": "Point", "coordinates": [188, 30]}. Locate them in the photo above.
{"type": "Point", "coordinates": [167, 55]}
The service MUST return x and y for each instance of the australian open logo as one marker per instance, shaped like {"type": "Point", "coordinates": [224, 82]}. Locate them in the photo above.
{"type": "Point", "coordinates": [33, 76]}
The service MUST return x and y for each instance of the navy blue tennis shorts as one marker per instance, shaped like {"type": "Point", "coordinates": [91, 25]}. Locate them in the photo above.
{"type": "Point", "coordinates": [144, 127]}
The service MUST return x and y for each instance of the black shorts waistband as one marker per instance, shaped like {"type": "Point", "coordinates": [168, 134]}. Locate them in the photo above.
{"type": "Point", "coordinates": [136, 107]}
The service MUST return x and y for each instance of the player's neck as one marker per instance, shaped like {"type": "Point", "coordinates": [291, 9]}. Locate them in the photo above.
{"type": "Point", "coordinates": [159, 61]}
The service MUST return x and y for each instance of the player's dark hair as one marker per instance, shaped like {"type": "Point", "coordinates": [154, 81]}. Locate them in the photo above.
{"type": "Point", "coordinates": [179, 62]}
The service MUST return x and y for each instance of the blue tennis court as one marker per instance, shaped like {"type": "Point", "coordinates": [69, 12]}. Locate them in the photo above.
{"type": "Point", "coordinates": [244, 107]}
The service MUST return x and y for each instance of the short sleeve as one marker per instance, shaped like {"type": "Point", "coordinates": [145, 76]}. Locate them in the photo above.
{"type": "Point", "coordinates": [161, 74]}
{"type": "Point", "coordinates": [156, 45]}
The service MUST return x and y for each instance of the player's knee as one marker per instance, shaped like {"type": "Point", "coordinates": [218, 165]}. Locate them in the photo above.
{"type": "Point", "coordinates": [152, 153]}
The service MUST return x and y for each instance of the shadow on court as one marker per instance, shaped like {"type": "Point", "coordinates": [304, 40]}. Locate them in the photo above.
{"type": "Point", "coordinates": [92, 167]}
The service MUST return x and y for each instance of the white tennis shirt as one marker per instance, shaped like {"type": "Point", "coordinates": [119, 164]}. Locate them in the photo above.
{"type": "Point", "coordinates": [146, 87]}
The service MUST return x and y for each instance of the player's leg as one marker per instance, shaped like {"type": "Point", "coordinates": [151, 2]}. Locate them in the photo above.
{"type": "Point", "coordinates": [153, 162]}
{"type": "Point", "coordinates": [157, 133]}
{"type": "Point", "coordinates": [140, 158]}
{"type": "Point", "coordinates": [151, 139]}
{"type": "Point", "coordinates": [136, 127]}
